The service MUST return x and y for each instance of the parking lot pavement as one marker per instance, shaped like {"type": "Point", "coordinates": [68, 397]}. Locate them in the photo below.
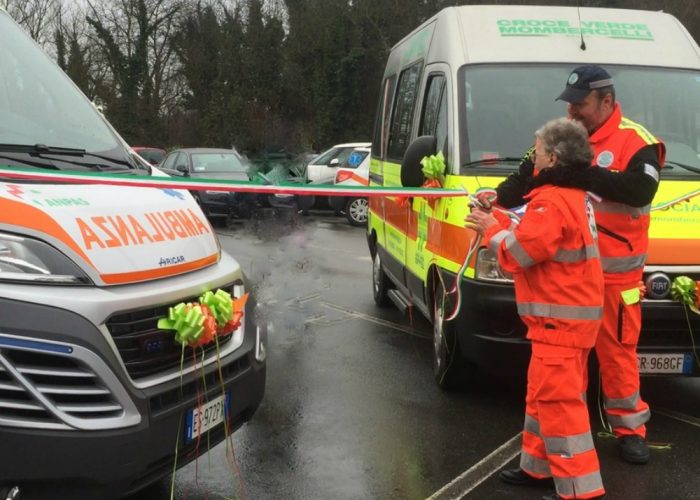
{"type": "Point", "coordinates": [351, 410]}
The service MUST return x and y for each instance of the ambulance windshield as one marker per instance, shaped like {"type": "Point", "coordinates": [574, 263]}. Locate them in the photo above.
{"type": "Point", "coordinates": [38, 102]}
{"type": "Point", "coordinates": [502, 106]}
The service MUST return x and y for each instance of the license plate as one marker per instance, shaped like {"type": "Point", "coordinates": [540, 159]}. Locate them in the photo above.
{"type": "Point", "coordinates": [200, 420]}
{"type": "Point", "coordinates": [664, 363]}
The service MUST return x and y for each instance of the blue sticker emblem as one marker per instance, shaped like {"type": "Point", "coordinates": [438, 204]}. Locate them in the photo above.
{"type": "Point", "coordinates": [605, 159]}
{"type": "Point", "coordinates": [355, 159]}
{"type": "Point", "coordinates": [174, 194]}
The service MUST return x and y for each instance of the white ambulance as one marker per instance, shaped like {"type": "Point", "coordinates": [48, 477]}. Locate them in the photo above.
{"type": "Point", "coordinates": [475, 82]}
{"type": "Point", "coordinates": [95, 401]}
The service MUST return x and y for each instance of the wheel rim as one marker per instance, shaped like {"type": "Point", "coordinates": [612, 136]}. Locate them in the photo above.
{"type": "Point", "coordinates": [376, 269]}
{"type": "Point", "coordinates": [358, 210]}
{"type": "Point", "coordinates": [438, 333]}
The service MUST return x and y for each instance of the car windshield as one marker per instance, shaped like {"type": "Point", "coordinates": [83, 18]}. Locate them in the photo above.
{"type": "Point", "coordinates": [502, 106]}
{"type": "Point", "coordinates": [40, 105]}
{"type": "Point", "coordinates": [152, 156]}
{"type": "Point", "coordinates": [217, 162]}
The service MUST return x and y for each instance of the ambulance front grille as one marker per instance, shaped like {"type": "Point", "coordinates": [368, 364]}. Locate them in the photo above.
{"type": "Point", "coordinates": [51, 391]}
{"type": "Point", "coordinates": [147, 350]}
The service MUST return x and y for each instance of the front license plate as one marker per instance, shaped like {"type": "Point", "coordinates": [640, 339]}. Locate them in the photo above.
{"type": "Point", "coordinates": [200, 420]}
{"type": "Point", "coordinates": [664, 363]}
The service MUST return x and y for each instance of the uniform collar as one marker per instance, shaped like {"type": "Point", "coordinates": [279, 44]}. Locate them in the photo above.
{"type": "Point", "coordinates": [609, 126]}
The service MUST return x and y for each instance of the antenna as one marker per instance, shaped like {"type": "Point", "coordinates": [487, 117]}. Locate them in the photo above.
{"type": "Point", "coordinates": [578, 11]}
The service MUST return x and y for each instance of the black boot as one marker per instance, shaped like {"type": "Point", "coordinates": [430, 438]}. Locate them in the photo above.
{"type": "Point", "coordinates": [519, 477]}
{"type": "Point", "coordinates": [633, 449]}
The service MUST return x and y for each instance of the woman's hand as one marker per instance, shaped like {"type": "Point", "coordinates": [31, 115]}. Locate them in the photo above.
{"type": "Point", "coordinates": [479, 220]}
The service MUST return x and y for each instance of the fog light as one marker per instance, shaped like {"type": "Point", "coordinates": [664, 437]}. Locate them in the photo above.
{"type": "Point", "coordinates": [260, 340]}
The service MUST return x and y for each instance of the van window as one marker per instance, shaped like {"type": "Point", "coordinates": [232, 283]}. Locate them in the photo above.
{"type": "Point", "coordinates": [501, 106]}
{"type": "Point", "coordinates": [38, 102]}
{"type": "Point", "coordinates": [434, 119]}
{"type": "Point", "coordinates": [404, 105]}
{"type": "Point", "coordinates": [381, 124]}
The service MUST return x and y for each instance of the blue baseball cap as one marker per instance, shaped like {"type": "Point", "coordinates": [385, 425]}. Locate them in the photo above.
{"type": "Point", "coordinates": [582, 80]}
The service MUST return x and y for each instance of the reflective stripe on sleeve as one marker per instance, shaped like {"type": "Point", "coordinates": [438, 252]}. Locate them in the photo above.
{"type": "Point", "coordinates": [623, 264]}
{"type": "Point", "coordinates": [570, 445]}
{"type": "Point", "coordinates": [578, 255]}
{"type": "Point", "coordinates": [651, 172]}
{"type": "Point", "coordinates": [517, 251]}
{"type": "Point", "coordinates": [560, 311]}
{"type": "Point", "coordinates": [581, 485]}
{"type": "Point", "coordinates": [496, 240]}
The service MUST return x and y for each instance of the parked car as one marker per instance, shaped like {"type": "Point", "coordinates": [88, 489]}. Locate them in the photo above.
{"type": "Point", "coordinates": [154, 156]}
{"type": "Point", "coordinates": [353, 172]}
{"type": "Point", "coordinates": [321, 170]}
{"type": "Point", "coordinates": [213, 163]}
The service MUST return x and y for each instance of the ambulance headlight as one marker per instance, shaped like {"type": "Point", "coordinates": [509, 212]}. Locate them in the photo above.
{"type": "Point", "coordinates": [487, 268]}
{"type": "Point", "coordinates": [26, 260]}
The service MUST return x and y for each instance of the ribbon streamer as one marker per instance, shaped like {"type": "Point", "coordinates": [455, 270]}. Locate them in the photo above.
{"type": "Point", "coordinates": [223, 186]}
{"type": "Point", "coordinates": [685, 291]}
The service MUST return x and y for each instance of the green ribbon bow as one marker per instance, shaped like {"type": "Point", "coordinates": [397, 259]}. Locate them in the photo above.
{"type": "Point", "coordinates": [186, 321]}
{"type": "Point", "coordinates": [434, 166]}
{"type": "Point", "coordinates": [684, 290]}
{"type": "Point", "coordinates": [219, 305]}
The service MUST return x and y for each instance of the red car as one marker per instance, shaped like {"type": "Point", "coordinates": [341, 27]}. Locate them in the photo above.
{"type": "Point", "coordinates": [152, 155]}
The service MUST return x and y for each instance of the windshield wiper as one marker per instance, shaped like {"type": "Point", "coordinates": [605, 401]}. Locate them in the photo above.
{"type": "Point", "coordinates": [690, 168]}
{"type": "Point", "coordinates": [489, 161]}
{"type": "Point", "coordinates": [41, 148]}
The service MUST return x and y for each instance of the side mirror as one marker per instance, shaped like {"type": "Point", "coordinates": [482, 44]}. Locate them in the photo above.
{"type": "Point", "coordinates": [183, 169]}
{"type": "Point", "coordinates": [411, 169]}
{"type": "Point", "coordinates": [334, 162]}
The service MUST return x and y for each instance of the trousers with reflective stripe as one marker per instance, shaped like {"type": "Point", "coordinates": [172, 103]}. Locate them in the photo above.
{"type": "Point", "coordinates": [616, 349]}
{"type": "Point", "coordinates": [557, 440]}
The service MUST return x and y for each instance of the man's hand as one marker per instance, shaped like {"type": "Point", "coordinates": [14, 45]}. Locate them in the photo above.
{"type": "Point", "coordinates": [479, 220]}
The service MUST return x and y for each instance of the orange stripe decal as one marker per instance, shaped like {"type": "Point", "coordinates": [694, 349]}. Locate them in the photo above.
{"type": "Point", "coordinates": [161, 272]}
{"type": "Point", "coordinates": [22, 215]}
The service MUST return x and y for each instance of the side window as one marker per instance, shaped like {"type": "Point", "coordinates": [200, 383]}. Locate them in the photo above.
{"type": "Point", "coordinates": [170, 161]}
{"type": "Point", "coordinates": [181, 161]}
{"type": "Point", "coordinates": [434, 119]}
{"type": "Point", "coordinates": [404, 105]}
{"type": "Point", "coordinates": [381, 124]}
{"type": "Point", "coordinates": [326, 157]}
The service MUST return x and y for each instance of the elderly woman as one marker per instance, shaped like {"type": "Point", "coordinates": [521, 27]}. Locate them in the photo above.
{"type": "Point", "coordinates": [553, 256]}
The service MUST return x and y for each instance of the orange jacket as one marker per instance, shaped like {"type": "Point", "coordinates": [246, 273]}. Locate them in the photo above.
{"type": "Point", "coordinates": [623, 229]}
{"type": "Point", "coordinates": [553, 256]}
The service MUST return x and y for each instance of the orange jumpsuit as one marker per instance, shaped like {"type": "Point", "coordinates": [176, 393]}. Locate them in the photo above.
{"type": "Point", "coordinates": [623, 241]}
{"type": "Point", "coordinates": [558, 279]}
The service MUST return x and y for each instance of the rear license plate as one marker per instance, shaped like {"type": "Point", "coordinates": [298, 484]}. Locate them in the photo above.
{"type": "Point", "coordinates": [667, 363]}
{"type": "Point", "coordinates": [211, 414]}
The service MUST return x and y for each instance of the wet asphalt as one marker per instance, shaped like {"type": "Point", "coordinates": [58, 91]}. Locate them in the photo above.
{"type": "Point", "coordinates": [351, 410]}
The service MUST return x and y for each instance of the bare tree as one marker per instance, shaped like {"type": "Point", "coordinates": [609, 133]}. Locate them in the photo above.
{"type": "Point", "coordinates": [38, 17]}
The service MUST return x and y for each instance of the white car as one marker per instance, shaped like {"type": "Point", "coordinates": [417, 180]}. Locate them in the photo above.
{"type": "Point", "coordinates": [321, 170]}
{"type": "Point", "coordinates": [354, 172]}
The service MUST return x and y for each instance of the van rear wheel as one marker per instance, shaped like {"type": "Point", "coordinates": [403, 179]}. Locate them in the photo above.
{"type": "Point", "coordinates": [380, 282]}
{"type": "Point", "coordinates": [449, 368]}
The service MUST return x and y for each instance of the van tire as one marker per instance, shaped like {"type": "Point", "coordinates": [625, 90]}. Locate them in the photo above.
{"type": "Point", "coordinates": [380, 282]}
{"type": "Point", "coordinates": [356, 210]}
{"type": "Point", "coordinates": [449, 367]}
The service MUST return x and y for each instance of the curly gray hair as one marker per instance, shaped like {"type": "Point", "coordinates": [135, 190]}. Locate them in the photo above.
{"type": "Point", "coordinates": [568, 139]}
